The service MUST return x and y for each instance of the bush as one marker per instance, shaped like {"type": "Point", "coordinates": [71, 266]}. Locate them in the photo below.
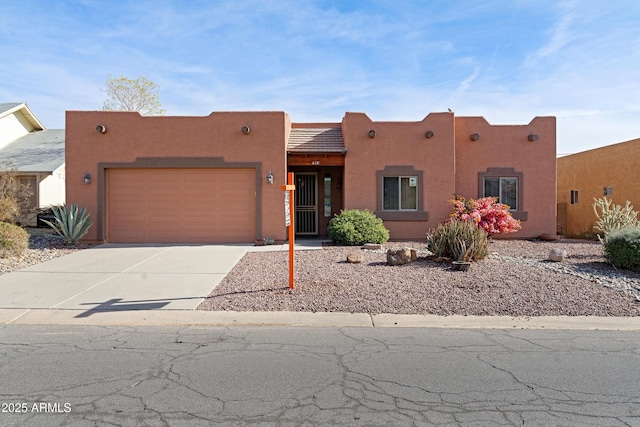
{"type": "Point", "coordinates": [487, 213]}
{"type": "Point", "coordinates": [9, 210]}
{"type": "Point", "coordinates": [13, 240]}
{"type": "Point", "coordinates": [622, 248]}
{"type": "Point", "coordinates": [354, 227]}
{"type": "Point", "coordinates": [458, 240]}
{"type": "Point", "coordinates": [13, 196]}
{"type": "Point", "coordinates": [613, 217]}
{"type": "Point", "coordinates": [71, 224]}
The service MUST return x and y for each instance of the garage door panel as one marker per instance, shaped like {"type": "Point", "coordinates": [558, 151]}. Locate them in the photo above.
{"type": "Point", "coordinates": [181, 205]}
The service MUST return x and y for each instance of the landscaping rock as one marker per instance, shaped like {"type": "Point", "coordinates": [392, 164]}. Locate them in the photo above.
{"type": "Point", "coordinates": [372, 246]}
{"type": "Point", "coordinates": [401, 256]}
{"type": "Point", "coordinates": [557, 255]}
{"type": "Point", "coordinates": [355, 258]}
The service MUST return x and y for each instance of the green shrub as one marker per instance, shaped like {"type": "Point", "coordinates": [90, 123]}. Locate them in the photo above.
{"type": "Point", "coordinates": [622, 248]}
{"type": "Point", "coordinates": [354, 227]}
{"type": "Point", "coordinates": [613, 217]}
{"type": "Point", "coordinates": [13, 240]}
{"type": "Point", "coordinates": [71, 224]}
{"type": "Point", "coordinates": [458, 240]}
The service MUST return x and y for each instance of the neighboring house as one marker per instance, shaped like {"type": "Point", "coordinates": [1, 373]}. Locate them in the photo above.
{"type": "Point", "coordinates": [218, 178]}
{"type": "Point", "coordinates": [612, 171]}
{"type": "Point", "coordinates": [36, 153]}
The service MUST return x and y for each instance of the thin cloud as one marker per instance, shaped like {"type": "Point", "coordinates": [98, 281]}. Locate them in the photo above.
{"type": "Point", "coordinates": [316, 59]}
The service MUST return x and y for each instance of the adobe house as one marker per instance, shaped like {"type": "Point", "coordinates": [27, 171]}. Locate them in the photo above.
{"type": "Point", "coordinates": [218, 178]}
{"type": "Point", "coordinates": [610, 171]}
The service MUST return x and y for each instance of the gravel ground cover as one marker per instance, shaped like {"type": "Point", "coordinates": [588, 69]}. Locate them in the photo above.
{"type": "Point", "coordinates": [44, 245]}
{"type": "Point", "coordinates": [516, 280]}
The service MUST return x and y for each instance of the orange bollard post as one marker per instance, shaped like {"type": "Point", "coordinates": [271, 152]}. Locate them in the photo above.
{"type": "Point", "coordinates": [290, 187]}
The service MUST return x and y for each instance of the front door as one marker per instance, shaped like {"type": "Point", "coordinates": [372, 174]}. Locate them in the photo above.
{"type": "Point", "coordinates": [306, 203]}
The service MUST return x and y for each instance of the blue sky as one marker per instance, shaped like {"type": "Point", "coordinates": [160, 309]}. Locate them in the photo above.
{"type": "Point", "coordinates": [508, 61]}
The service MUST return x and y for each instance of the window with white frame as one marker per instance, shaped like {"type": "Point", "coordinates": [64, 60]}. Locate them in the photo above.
{"type": "Point", "coordinates": [400, 193]}
{"type": "Point", "coordinates": [504, 188]}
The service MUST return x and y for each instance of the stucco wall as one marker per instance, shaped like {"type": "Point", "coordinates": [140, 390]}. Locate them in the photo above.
{"type": "Point", "coordinates": [589, 172]}
{"type": "Point", "coordinates": [398, 144]}
{"type": "Point", "coordinates": [507, 146]}
{"type": "Point", "coordinates": [131, 136]}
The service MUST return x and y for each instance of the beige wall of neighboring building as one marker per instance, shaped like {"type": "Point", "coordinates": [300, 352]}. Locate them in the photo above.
{"type": "Point", "coordinates": [589, 173]}
{"type": "Point", "coordinates": [52, 188]}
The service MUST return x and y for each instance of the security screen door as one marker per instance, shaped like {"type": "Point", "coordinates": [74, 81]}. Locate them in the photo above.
{"type": "Point", "coordinates": [306, 203]}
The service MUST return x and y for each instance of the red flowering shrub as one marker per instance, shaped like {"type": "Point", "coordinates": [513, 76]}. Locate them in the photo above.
{"type": "Point", "coordinates": [487, 213]}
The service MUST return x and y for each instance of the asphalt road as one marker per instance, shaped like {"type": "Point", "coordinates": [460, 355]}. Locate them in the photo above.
{"type": "Point", "coordinates": [198, 376]}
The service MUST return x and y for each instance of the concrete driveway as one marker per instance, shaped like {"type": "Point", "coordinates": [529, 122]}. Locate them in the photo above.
{"type": "Point", "coordinates": [114, 277]}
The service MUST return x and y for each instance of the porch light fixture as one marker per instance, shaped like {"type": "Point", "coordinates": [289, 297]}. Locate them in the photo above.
{"type": "Point", "coordinates": [270, 178]}
{"type": "Point", "coordinates": [246, 130]}
{"type": "Point", "coordinates": [533, 137]}
{"type": "Point", "coordinates": [101, 128]}
{"type": "Point", "coordinates": [87, 178]}
{"type": "Point", "coordinates": [475, 136]}
{"type": "Point", "coordinates": [372, 133]}
{"type": "Point", "coordinates": [429, 134]}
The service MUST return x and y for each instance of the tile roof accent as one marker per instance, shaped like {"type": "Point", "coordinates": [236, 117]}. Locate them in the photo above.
{"type": "Point", "coordinates": [316, 140]}
{"type": "Point", "coordinates": [41, 151]}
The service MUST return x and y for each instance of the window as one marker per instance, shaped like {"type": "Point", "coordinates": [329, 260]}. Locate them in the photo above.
{"type": "Point", "coordinates": [505, 189]}
{"type": "Point", "coordinates": [400, 193]}
{"type": "Point", "coordinates": [507, 185]}
{"type": "Point", "coordinates": [574, 197]}
{"type": "Point", "coordinates": [327, 195]}
{"type": "Point", "coordinates": [607, 191]}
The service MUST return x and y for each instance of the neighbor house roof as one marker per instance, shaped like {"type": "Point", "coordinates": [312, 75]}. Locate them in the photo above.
{"type": "Point", "coordinates": [7, 108]}
{"type": "Point", "coordinates": [41, 151]}
{"type": "Point", "coordinates": [316, 140]}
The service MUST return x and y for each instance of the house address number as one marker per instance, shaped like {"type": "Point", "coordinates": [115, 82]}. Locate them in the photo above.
{"type": "Point", "coordinates": [315, 163]}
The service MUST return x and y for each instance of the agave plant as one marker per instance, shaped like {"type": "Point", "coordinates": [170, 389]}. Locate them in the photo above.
{"type": "Point", "coordinates": [71, 224]}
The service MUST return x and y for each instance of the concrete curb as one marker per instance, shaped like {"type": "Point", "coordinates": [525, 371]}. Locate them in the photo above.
{"type": "Point", "coordinates": [305, 319]}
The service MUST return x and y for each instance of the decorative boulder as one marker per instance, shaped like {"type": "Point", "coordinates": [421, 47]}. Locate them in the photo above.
{"type": "Point", "coordinates": [355, 258]}
{"type": "Point", "coordinates": [401, 256]}
{"type": "Point", "coordinates": [557, 255]}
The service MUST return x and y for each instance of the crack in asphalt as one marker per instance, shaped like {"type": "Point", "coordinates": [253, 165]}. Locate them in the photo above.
{"type": "Point", "coordinates": [126, 376]}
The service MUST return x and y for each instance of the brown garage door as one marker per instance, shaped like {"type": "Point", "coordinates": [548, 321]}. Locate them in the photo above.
{"type": "Point", "coordinates": [181, 205]}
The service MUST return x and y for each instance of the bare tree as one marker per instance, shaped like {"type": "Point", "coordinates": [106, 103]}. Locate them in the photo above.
{"type": "Point", "coordinates": [125, 94]}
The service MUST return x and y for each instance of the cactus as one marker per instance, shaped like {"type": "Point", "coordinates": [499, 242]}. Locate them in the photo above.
{"type": "Point", "coordinates": [613, 217]}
